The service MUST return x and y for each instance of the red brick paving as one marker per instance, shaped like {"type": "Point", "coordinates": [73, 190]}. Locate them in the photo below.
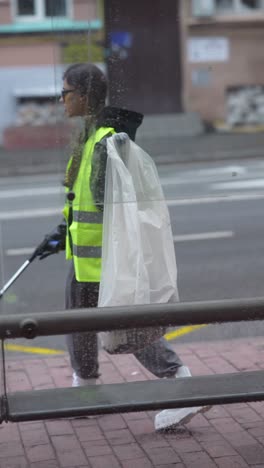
{"type": "Point", "coordinates": [229, 436]}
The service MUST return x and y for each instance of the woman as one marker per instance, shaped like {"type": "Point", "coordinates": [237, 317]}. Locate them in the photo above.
{"type": "Point", "coordinates": [84, 94]}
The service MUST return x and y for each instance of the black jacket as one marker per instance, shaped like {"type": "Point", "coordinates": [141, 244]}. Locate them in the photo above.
{"type": "Point", "coordinates": [121, 120]}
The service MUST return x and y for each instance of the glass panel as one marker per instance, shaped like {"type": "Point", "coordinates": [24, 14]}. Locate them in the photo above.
{"type": "Point", "coordinates": [57, 8]}
{"type": "Point", "coordinates": [189, 91]}
{"type": "Point", "coordinates": [26, 7]}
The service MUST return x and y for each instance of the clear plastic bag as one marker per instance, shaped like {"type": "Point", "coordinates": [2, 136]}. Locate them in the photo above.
{"type": "Point", "coordinates": [138, 257]}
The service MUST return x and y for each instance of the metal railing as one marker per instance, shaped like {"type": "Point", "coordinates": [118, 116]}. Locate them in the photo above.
{"type": "Point", "coordinates": [111, 318]}
{"type": "Point", "coordinates": [202, 390]}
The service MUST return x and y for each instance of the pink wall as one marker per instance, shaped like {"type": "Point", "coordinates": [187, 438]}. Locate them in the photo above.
{"type": "Point", "coordinates": [84, 10]}
{"type": "Point", "coordinates": [5, 12]}
{"type": "Point", "coordinates": [29, 54]}
{"type": "Point", "coordinates": [245, 67]}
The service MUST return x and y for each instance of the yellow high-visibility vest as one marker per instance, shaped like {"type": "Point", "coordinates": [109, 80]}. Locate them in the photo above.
{"type": "Point", "coordinates": [85, 231]}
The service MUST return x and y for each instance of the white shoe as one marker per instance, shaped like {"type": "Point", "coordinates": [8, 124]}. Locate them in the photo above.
{"type": "Point", "coordinates": [79, 382]}
{"type": "Point", "coordinates": [166, 419]}
{"type": "Point", "coordinates": [183, 371]}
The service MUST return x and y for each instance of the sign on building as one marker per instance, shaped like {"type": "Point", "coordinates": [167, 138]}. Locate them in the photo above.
{"type": "Point", "coordinates": [208, 49]}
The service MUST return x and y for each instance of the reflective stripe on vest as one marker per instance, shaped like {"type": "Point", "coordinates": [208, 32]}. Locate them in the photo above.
{"type": "Point", "coordinates": [87, 217]}
{"type": "Point", "coordinates": [87, 252]}
{"type": "Point", "coordinates": [86, 229]}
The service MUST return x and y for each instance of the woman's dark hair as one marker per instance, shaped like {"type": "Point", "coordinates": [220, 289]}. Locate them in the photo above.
{"type": "Point", "coordinates": [90, 81]}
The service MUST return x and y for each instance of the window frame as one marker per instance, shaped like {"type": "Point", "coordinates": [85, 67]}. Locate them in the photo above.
{"type": "Point", "coordinates": [40, 12]}
{"type": "Point", "coordinates": [239, 10]}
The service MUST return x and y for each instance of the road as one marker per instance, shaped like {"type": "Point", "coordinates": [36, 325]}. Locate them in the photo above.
{"type": "Point", "coordinates": [217, 220]}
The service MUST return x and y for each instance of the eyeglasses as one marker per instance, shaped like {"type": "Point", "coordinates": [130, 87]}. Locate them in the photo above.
{"type": "Point", "coordinates": [64, 92]}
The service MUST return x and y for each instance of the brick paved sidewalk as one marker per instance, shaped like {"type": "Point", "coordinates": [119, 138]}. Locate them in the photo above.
{"type": "Point", "coordinates": [226, 436]}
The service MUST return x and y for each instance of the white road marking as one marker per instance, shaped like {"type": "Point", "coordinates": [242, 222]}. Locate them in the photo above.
{"type": "Point", "coordinates": [239, 184]}
{"type": "Point", "coordinates": [36, 213]}
{"type": "Point", "coordinates": [198, 176]}
{"type": "Point", "coordinates": [204, 236]}
{"type": "Point", "coordinates": [182, 238]}
{"type": "Point", "coordinates": [22, 251]}
{"type": "Point", "coordinates": [222, 170]}
{"type": "Point", "coordinates": [46, 212]}
{"type": "Point", "coordinates": [186, 176]}
{"type": "Point", "coordinates": [32, 192]}
{"type": "Point", "coordinates": [215, 199]}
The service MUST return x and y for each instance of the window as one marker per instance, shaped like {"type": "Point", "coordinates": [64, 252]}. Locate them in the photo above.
{"type": "Point", "coordinates": [238, 6]}
{"type": "Point", "coordinates": [26, 7]}
{"type": "Point", "coordinates": [224, 5]}
{"type": "Point", "coordinates": [57, 8]}
{"type": "Point", "coordinates": [41, 9]}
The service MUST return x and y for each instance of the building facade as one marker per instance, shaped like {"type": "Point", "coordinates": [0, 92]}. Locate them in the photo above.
{"type": "Point", "coordinates": [222, 61]}
{"type": "Point", "coordinates": [37, 39]}
{"type": "Point", "coordinates": [201, 56]}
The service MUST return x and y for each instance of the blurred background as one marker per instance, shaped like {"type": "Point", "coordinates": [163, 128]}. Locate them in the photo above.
{"type": "Point", "coordinates": [197, 63]}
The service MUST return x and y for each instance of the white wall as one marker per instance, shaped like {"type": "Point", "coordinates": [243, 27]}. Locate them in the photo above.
{"type": "Point", "coordinates": [27, 80]}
